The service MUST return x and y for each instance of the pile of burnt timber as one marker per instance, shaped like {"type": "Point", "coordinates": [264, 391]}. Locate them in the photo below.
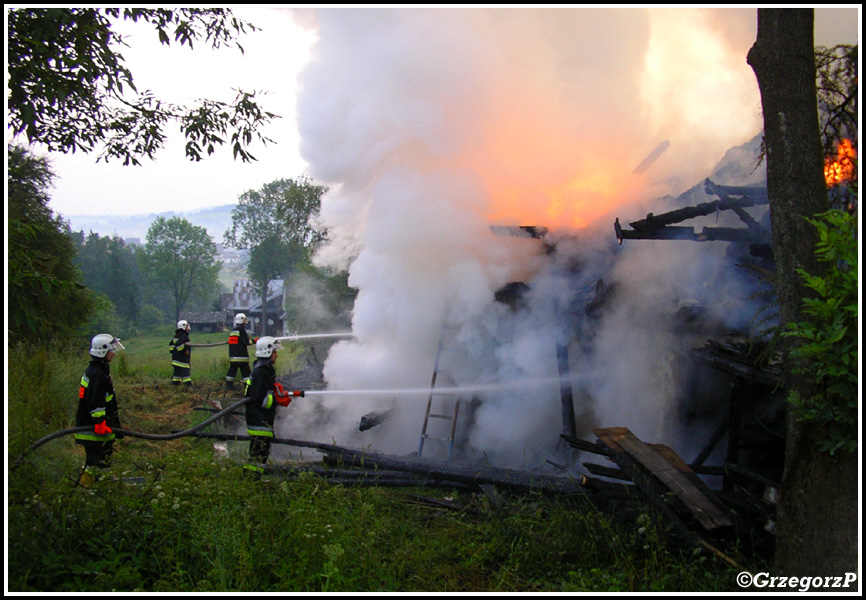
{"type": "Point", "coordinates": [736, 199]}
{"type": "Point", "coordinates": [347, 465]}
{"type": "Point", "coordinates": [654, 475]}
{"type": "Point", "coordinates": [738, 360]}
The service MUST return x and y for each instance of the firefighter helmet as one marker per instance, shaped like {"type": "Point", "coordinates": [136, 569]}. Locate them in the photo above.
{"type": "Point", "coordinates": [266, 346]}
{"type": "Point", "coordinates": [240, 318]}
{"type": "Point", "coordinates": [104, 343]}
{"type": "Point", "coordinates": [183, 324]}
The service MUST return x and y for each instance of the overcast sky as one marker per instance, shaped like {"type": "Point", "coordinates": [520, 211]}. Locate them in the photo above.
{"type": "Point", "coordinates": [274, 56]}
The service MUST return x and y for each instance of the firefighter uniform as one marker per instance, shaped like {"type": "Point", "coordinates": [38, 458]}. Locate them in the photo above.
{"type": "Point", "coordinates": [97, 408]}
{"type": "Point", "coordinates": [260, 412]}
{"type": "Point", "coordinates": [239, 356]}
{"type": "Point", "coordinates": [180, 351]}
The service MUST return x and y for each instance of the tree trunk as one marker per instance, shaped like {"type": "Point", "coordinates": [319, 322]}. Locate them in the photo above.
{"type": "Point", "coordinates": [817, 517]}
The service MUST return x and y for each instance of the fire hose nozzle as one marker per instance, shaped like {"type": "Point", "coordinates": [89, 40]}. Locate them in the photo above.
{"type": "Point", "coordinates": [297, 393]}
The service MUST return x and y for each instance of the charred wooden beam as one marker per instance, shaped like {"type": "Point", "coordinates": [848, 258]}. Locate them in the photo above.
{"type": "Point", "coordinates": [707, 234]}
{"type": "Point", "coordinates": [603, 471]}
{"type": "Point", "coordinates": [569, 423]}
{"type": "Point", "coordinates": [737, 365]}
{"type": "Point", "coordinates": [634, 456]}
{"type": "Point", "coordinates": [703, 209]}
{"type": "Point", "coordinates": [654, 492]}
{"type": "Point", "coordinates": [751, 475]}
{"type": "Point", "coordinates": [737, 199]}
{"type": "Point", "coordinates": [467, 474]}
{"type": "Point", "coordinates": [651, 158]}
{"type": "Point", "coordinates": [245, 438]}
{"type": "Point", "coordinates": [580, 444]}
{"type": "Point", "coordinates": [757, 194]}
{"type": "Point", "coordinates": [714, 439]}
{"type": "Point", "coordinates": [372, 419]}
{"type": "Point", "coordinates": [674, 459]}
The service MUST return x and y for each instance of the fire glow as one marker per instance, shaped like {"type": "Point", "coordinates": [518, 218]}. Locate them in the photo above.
{"type": "Point", "coordinates": [840, 169]}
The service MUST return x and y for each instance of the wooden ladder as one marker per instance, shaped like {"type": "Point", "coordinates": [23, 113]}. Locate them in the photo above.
{"type": "Point", "coordinates": [442, 410]}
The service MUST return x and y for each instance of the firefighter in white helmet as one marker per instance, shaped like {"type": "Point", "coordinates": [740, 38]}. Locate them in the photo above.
{"type": "Point", "coordinates": [265, 393]}
{"type": "Point", "coordinates": [97, 408]}
{"type": "Point", "coordinates": [180, 350]}
{"type": "Point", "coordinates": [239, 356]}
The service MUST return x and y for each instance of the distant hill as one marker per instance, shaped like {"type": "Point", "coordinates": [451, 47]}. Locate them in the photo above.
{"type": "Point", "coordinates": [215, 220]}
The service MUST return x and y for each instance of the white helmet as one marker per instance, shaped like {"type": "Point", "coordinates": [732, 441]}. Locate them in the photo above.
{"type": "Point", "coordinates": [266, 346]}
{"type": "Point", "coordinates": [240, 318]}
{"type": "Point", "coordinates": [182, 324]}
{"type": "Point", "coordinates": [104, 343]}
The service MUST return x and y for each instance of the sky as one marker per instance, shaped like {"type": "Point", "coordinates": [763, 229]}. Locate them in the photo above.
{"type": "Point", "coordinates": [275, 56]}
{"type": "Point", "coordinates": [271, 59]}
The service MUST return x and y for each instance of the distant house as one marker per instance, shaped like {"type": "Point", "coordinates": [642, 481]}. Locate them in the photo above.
{"type": "Point", "coordinates": [246, 299]}
{"type": "Point", "coordinates": [206, 322]}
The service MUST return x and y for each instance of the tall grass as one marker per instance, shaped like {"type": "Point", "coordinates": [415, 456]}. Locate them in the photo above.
{"type": "Point", "coordinates": [176, 517]}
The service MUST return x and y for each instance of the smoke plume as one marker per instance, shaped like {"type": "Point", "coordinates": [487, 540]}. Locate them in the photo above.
{"type": "Point", "coordinates": [431, 125]}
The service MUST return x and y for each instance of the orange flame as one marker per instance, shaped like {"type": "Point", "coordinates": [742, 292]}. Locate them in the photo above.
{"type": "Point", "coordinates": [840, 169]}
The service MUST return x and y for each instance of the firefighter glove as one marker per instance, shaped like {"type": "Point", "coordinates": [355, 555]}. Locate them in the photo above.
{"type": "Point", "coordinates": [101, 428]}
{"type": "Point", "coordinates": [282, 395]}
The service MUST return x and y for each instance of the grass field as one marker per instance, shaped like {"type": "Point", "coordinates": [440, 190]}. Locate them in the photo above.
{"type": "Point", "coordinates": [176, 517]}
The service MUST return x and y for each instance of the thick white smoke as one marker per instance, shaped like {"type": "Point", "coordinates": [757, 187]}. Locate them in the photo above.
{"type": "Point", "coordinates": [431, 125]}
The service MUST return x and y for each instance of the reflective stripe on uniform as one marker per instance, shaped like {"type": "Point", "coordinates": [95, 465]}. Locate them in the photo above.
{"type": "Point", "coordinates": [177, 363]}
{"type": "Point", "coordinates": [268, 400]}
{"type": "Point", "coordinates": [260, 430]}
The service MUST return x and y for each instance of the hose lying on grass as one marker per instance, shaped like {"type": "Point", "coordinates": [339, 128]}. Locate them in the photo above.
{"type": "Point", "coordinates": [135, 434]}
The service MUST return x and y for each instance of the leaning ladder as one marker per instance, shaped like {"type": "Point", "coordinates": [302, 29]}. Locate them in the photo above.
{"type": "Point", "coordinates": [441, 414]}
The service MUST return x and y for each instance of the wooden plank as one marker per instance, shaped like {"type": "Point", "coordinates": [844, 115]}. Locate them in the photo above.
{"type": "Point", "coordinates": [672, 457]}
{"type": "Point", "coordinates": [706, 513]}
{"type": "Point", "coordinates": [654, 492]}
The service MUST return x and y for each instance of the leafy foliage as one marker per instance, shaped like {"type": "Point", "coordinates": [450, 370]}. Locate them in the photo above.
{"type": "Point", "coordinates": [182, 258]}
{"type": "Point", "coordinates": [274, 223]}
{"type": "Point", "coordinates": [828, 351]}
{"type": "Point", "coordinates": [69, 88]}
{"type": "Point", "coordinates": [46, 295]}
{"type": "Point", "coordinates": [110, 267]}
{"type": "Point", "coordinates": [281, 210]}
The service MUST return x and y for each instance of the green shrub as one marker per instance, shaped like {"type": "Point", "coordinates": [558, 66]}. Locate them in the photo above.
{"type": "Point", "coordinates": [827, 349]}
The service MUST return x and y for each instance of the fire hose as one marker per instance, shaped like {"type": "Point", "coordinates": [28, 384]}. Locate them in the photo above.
{"type": "Point", "coordinates": [135, 434]}
{"type": "Point", "coordinates": [157, 436]}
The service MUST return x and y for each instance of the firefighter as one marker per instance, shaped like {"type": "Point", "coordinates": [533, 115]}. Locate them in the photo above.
{"type": "Point", "coordinates": [239, 356]}
{"type": "Point", "coordinates": [264, 392]}
{"type": "Point", "coordinates": [180, 349]}
{"type": "Point", "coordinates": [97, 408]}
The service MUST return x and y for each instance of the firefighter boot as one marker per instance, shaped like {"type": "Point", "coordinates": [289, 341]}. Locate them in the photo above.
{"type": "Point", "coordinates": [230, 385]}
{"type": "Point", "coordinates": [87, 479]}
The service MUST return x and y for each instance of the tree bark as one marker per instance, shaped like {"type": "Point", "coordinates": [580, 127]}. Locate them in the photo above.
{"type": "Point", "coordinates": [817, 516]}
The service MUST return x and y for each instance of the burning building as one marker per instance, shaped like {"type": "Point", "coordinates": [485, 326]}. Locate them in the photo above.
{"type": "Point", "coordinates": [437, 130]}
